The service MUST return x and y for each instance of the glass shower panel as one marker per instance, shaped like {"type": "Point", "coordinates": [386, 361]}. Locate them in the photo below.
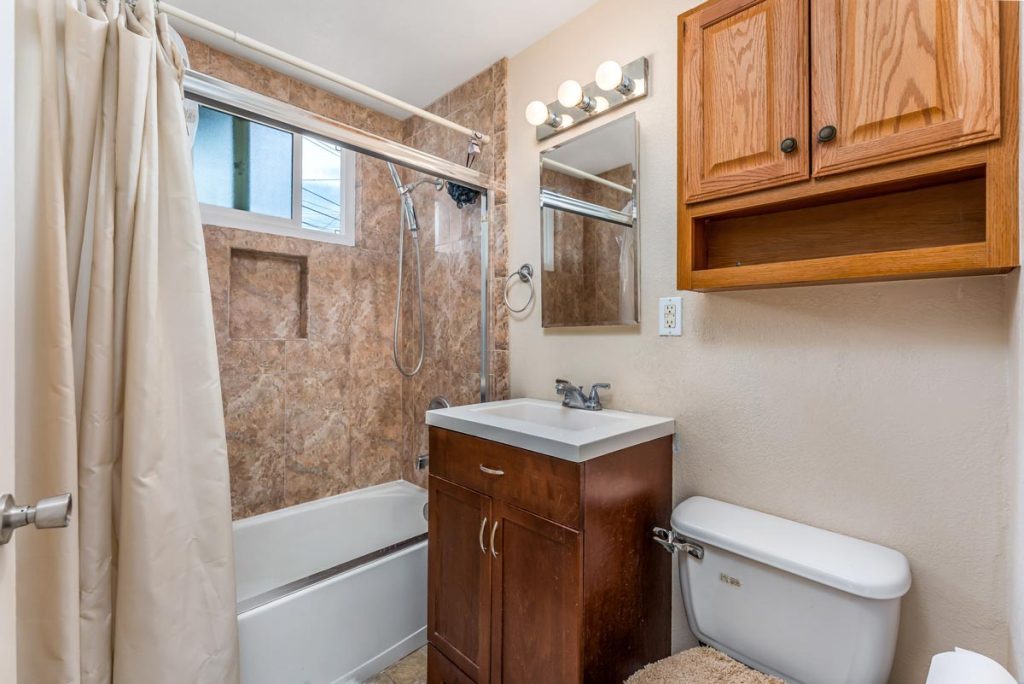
{"type": "Point", "coordinates": [451, 242]}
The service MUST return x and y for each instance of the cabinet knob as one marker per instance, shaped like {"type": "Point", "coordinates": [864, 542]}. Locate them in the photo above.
{"type": "Point", "coordinates": [788, 145]}
{"type": "Point", "coordinates": [827, 133]}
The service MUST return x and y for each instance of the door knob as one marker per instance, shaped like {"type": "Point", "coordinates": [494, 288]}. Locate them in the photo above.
{"type": "Point", "coordinates": [827, 133]}
{"type": "Point", "coordinates": [788, 145]}
{"type": "Point", "coordinates": [54, 511]}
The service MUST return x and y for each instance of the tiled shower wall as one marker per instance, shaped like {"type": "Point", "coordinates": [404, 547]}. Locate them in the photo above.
{"type": "Point", "coordinates": [451, 265]}
{"type": "Point", "coordinates": [313, 404]}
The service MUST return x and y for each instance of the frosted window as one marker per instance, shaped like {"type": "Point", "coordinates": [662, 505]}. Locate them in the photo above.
{"type": "Point", "coordinates": [243, 165]}
{"type": "Point", "coordinates": [321, 185]}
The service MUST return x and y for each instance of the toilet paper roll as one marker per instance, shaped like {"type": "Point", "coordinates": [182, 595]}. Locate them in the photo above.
{"type": "Point", "coordinates": [961, 666]}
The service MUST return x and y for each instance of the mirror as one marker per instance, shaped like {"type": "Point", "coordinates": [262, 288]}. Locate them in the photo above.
{"type": "Point", "coordinates": [590, 231]}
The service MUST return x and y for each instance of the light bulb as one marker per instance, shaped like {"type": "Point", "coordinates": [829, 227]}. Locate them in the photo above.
{"type": "Point", "coordinates": [609, 75]}
{"type": "Point", "coordinates": [538, 114]}
{"type": "Point", "coordinates": [570, 94]}
{"type": "Point", "coordinates": [600, 104]}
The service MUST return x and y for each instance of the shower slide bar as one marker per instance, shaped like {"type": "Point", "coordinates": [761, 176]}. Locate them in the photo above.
{"type": "Point", "coordinates": [316, 70]}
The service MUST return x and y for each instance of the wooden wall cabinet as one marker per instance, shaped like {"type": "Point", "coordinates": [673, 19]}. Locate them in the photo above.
{"type": "Point", "coordinates": [902, 103]}
{"type": "Point", "coordinates": [546, 573]}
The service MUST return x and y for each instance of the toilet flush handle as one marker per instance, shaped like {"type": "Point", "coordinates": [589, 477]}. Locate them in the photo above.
{"type": "Point", "coordinates": [672, 543]}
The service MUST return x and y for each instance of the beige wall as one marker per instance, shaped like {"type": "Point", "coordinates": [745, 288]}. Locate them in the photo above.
{"type": "Point", "coordinates": [876, 410]}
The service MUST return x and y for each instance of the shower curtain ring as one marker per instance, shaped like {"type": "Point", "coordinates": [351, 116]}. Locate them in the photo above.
{"type": "Point", "coordinates": [525, 274]}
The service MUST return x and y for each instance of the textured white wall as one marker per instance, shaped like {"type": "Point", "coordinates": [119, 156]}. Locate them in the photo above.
{"type": "Point", "coordinates": [1015, 303]}
{"type": "Point", "coordinates": [876, 410]}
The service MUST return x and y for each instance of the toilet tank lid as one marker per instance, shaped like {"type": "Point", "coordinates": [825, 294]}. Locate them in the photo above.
{"type": "Point", "coordinates": [845, 563]}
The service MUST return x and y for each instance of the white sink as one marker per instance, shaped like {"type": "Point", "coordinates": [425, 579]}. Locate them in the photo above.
{"type": "Point", "coordinates": [549, 428]}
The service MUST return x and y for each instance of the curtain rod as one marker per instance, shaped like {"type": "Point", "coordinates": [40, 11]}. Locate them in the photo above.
{"type": "Point", "coordinates": [270, 51]}
{"type": "Point", "coordinates": [583, 175]}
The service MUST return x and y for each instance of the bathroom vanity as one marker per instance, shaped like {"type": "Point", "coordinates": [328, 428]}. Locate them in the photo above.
{"type": "Point", "coordinates": [541, 563]}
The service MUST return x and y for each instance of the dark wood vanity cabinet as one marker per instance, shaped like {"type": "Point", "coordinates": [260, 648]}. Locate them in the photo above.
{"type": "Point", "coordinates": [543, 570]}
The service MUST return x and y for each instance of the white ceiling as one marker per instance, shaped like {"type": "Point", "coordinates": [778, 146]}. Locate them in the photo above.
{"type": "Point", "coordinates": [415, 50]}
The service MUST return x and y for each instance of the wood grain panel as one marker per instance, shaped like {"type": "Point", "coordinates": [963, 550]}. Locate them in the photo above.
{"type": "Point", "coordinates": [902, 78]}
{"type": "Point", "coordinates": [459, 577]}
{"type": "Point", "coordinates": [927, 262]}
{"type": "Point", "coordinates": [549, 487]}
{"type": "Point", "coordinates": [537, 601]}
{"type": "Point", "coordinates": [947, 214]}
{"type": "Point", "coordinates": [628, 585]}
{"type": "Point", "coordinates": [743, 89]}
{"type": "Point", "coordinates": [440, 670]}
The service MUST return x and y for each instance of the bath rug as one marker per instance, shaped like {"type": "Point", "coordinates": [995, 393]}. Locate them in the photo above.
{"type": "Point", "coordinates": [700, 666]}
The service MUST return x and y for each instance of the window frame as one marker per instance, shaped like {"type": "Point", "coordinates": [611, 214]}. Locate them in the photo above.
{"type": "Point", "coordinates": [229, 217]}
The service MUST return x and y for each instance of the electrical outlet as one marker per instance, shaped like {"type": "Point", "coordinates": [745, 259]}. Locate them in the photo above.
{"type": "Point", "coordinates": [670, 316]}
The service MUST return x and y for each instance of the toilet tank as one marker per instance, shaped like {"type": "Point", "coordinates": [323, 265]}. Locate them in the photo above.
{"type": "Point", "coordinates": [801, 603]}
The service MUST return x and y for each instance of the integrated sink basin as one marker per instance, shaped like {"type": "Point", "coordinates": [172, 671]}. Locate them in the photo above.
{"type": "Point", "coordinates": [549, 428]}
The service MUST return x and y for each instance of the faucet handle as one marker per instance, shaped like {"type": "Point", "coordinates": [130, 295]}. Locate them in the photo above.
{"type": "Point", "coordinates": [562, 385]}
{"type": "Point", "coordinates": [594, 400]}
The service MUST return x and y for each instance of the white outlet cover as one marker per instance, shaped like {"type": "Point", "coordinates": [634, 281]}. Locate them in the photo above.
{"type": "Point", "coordinates": [670, 316]}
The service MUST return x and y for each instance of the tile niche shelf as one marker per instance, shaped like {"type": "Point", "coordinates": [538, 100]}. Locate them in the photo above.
{"type": "Point", "coordinates": [752, 215]}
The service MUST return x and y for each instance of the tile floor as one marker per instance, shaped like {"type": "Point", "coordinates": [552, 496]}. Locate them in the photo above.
{"type": "Point", "coordinates": [412, 669]}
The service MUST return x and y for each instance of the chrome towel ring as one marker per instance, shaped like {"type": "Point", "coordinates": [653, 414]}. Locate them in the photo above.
{"type": "Point", "coordinates": [525, 274]}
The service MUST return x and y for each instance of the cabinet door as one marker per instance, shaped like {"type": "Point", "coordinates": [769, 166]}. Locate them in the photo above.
{"type": "Point", "coordinates": [743, 97]}
{"type": "Point", "coordinates": [459, 577]}
{"type": "Point", "coordinates": [902, 78]}
{"type": "Point", "coordinates": [537, 596]}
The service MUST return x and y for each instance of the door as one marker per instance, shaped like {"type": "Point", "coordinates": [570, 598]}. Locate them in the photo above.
{"type": "Point", "coordinates": [459, 577]}
{"type": "Point", "coordinates": [743, 97]}
{"type": "Point", "coordinates": [537, 598]}
{"type": "Point", "coordinates": [8, 667]}
{"type": "Point", "coordinates": [901, 78]}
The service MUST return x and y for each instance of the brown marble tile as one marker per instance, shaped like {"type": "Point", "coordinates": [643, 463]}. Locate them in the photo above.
{"type": "Point", "coordinates": [318, 416]}
{"type": "Point", "coordinates": [254, 420]}
{"type": "Point", "coordinates": [317, 445]}
{"type": "Point", "coordinates": [472, 90]}
{"type": "Point", "coordinates": [267, 296]}
{"type": "Point", "coordinates": [198, 54]}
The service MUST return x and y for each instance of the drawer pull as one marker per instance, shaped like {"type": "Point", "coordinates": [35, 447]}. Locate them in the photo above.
{"type": "Point", "coordinates": [494, 551]}
{"type": "Point", "coordinates": [491, 471]}
{"type": "Point", "coordinates": [483, 526]}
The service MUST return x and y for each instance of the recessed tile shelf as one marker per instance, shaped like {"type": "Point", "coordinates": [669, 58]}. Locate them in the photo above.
{"type": "Point", "coordinates": [268, 295]}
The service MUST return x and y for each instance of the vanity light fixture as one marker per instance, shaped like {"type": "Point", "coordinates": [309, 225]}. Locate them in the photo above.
{"type": "Point", "coordinates": [614, 86]}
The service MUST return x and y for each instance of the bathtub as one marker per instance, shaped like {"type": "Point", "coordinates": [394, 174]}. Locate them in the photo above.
{"type": "Point", "coordinates": [335, 590]}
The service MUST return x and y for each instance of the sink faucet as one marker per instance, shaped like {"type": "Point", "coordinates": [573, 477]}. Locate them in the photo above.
{"type": "Point", "coordinates": [573, 396]}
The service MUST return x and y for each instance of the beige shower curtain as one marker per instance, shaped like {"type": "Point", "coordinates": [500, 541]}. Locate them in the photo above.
{"type": "Point", "coordinates": [125, 410]}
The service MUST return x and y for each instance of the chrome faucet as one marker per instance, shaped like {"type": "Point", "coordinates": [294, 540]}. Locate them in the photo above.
{"type": "Point", "coordinates": [573, 396]}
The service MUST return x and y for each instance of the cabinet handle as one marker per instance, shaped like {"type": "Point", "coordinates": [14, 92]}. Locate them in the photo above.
{"type": "Point", "coordinates": [491, 471]}
{"type": "Point", "coordinates": [483, 526]}
{"type": "Point", "coordinates": [494, 529]}
{"type": "Point", "coordinates": [788, 145]}
{"type": "Point", "coordinates": [827, 134]}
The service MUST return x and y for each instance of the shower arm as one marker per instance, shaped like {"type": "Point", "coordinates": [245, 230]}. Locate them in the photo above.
{"type": "Point", "coordinates": [475, 137]}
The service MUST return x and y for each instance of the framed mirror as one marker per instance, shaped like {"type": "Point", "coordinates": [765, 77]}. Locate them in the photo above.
{"type": "Point", "coordinates": [590, 229]}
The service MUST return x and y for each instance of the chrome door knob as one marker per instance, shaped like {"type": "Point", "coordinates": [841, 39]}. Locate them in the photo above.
{"type": "Point", "coordinates": [54, 511]}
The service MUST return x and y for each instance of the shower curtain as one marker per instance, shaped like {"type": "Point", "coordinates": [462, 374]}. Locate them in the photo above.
{"type": "Point", "coordinates": [125, 406]}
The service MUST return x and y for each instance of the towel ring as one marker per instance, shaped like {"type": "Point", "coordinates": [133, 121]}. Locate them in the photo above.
{"type": "Point", "coordinates": [525, 274]}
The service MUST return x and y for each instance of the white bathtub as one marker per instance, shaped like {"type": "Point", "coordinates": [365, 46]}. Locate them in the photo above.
{"type": "Point", "coordinates": [335, 590]}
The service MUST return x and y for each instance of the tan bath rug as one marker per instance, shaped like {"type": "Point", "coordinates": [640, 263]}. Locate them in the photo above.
{"type": "Point", "coordinates": [700, 666]}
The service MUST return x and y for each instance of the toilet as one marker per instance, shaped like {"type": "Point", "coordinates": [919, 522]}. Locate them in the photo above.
{"type": "Point", "coordinates": [791, 600]}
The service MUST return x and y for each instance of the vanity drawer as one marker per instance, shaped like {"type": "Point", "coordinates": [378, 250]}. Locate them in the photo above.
{"type": "Point", "coordinates": [543, 485]}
